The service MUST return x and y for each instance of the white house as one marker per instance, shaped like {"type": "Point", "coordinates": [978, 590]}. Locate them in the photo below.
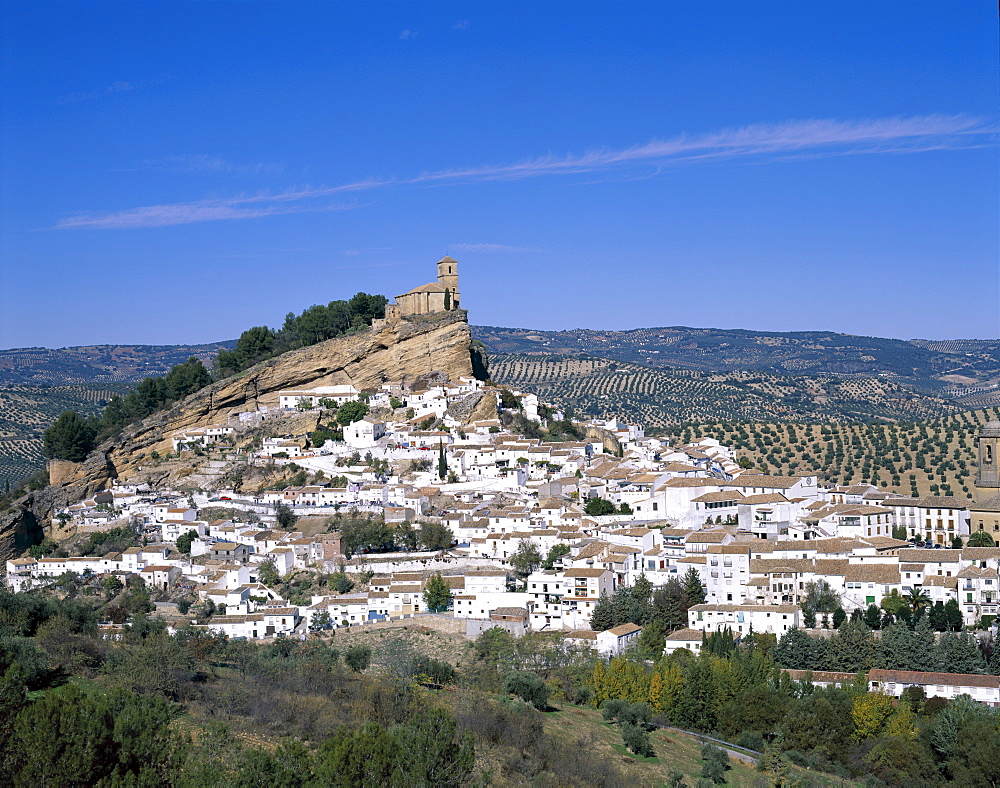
{"type": "Point", "coordinates": [617, 639]}
{"type": "Point", "coordinates": [364, 433]}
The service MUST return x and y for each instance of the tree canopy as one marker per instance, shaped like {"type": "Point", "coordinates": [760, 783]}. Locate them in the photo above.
{"type": "Point", "coordinates": [71, 437]}
{"type": "Point", "coordinates": [315, 324]}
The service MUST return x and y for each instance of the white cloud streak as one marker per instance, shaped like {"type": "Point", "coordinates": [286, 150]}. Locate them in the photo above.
{"type": "Point", "coordinates": [213, 165]}
{"type": "Point", "coordinates": [774, 142]}
{"type": "Point", "coordinates": [115, 87]}
{"type": "Point", "coordinates": [491, 248]}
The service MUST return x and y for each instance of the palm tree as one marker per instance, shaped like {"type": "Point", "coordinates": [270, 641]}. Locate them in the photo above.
{"type": "Point", "coordinates": [917, 599]}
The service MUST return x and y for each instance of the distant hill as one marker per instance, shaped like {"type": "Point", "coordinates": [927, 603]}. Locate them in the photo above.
{"type": "Point", "coordinates": [663, 398]}
{"type": "Point", "coordinates": [37, 384]}
{"type": "Point", "coordinates": [97, 364]}
{"type": "Point", "coordinates": [952, 367]}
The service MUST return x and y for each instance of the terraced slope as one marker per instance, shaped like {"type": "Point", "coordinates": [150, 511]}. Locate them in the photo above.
{"type": "Point", "coordinates": [26, 412]}
{"type": "Point", "coordinates": [661, 398]}
{"type": "Point", "coordinates": [951, 364]}
{"type": "Point", "coordinates": [936, 457]}
{"type": "Point", "coordinates": [37, 384]}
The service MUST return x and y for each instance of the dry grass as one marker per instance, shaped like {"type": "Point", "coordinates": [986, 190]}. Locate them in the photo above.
{"type": "Point", "coordinates": [675, 752]}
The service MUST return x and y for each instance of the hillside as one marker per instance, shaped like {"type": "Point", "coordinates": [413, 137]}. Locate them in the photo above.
{"type": "Point", "coordinates": [404, 348]}
{"type": "Point", "coordinates": [661, 398]}
{"type": "Point", "coordinates": [27, 411]}
{"type": "Point", "coordinates": [936, 457]}
{"type": "Point", "coordinates": [954, 366]}
{"type": "Point", "coordinates": [37, 384]}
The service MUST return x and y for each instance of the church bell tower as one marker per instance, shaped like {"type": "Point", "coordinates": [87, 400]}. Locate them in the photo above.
{"type": "Point", "coordinates": [448, 278]}
{"type": "Point", "coordinates": [988, 472]}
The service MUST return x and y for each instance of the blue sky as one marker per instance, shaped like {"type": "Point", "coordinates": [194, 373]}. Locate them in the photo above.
{"type": "Point", "coordinates": [177, 172]}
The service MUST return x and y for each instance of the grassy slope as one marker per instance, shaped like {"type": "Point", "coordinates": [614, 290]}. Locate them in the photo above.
{"type": "Point", "coordinates": [581, 726]}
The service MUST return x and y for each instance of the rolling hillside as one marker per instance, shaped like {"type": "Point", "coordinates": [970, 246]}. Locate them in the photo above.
{"type": "Point", "coordinates": [93, 364]}
{"type": "Point", "coordinates": [936, 457]}
{"type": "Point", "coordinates": [661, 398]}
{"type": "Point", "coordinates": [953, 367]}
{"type": "Point", "coordinates": [37, 384]}
{"type": "Point", "coordinates": [26, 412]}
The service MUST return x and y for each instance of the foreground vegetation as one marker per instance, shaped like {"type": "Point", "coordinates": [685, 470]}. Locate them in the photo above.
{"type": "Point", "coordinates": [197, 709]}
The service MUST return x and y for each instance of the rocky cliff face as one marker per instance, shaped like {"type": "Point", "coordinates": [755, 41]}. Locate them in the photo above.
{"type": "Point", "coordinates": [393, 350]}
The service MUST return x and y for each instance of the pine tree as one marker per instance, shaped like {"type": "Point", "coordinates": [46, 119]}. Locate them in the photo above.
{"type": "Point", "coordinates": [953, 615]}
{"type": "Point", "coordinates": [795, 650]}
{"type": "Point", "coordinates": [603, 616]}
{"type": "Point", "coordinates": [670, 605]}
{"type": "Point", "coordinates": [897, 648]}
{"type": "Point", "coordinates": [695, 708]}
{"type": "Point", "coordinates": [925, 655]}
{"type": "Point", "coordinates": [937, 617]}
{"type": "Point", "coordinates": [652, 640]}
{"type": "Point", "coordinates": [959, 653]}
{"type": "Point", "coordinates": [693, 587]}
{"type": "Point", "coordinates": [437, 594]}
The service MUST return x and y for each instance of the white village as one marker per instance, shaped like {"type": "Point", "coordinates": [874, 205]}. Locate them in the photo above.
{"type": "Point", "coordinates": [492, 528]}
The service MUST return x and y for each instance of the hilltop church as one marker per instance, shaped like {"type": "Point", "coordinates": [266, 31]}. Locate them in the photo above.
{"type": "Point", "coordinates": [439, 296]}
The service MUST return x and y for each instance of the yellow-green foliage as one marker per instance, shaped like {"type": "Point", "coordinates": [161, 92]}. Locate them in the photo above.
{"type": "Point", "coordinates": [870, 712]}
{"type": "Point", "coordinates": [623, 679]}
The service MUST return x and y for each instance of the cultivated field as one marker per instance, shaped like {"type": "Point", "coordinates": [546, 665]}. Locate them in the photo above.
{"type": "Point", "coordinates": [663, 398]}
{"type": "Point", "coordinates": [936, 457]}
{"type": "Point", "coordinates": [27, 411]}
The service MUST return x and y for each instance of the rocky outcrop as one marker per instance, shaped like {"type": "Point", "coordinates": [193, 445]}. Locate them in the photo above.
{"type": "Point", "coordinates": [611, 444]}
{"type": "Point", "coordinates": [400, 349]}
{"type": "Point", "coordinates": [477, 406]}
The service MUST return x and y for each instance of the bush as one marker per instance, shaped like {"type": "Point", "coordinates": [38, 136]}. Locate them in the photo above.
{"type": "Point", "coordinates": [751, 740]}
{"type": "Point", "coordinates": [528, 686]}
{"type": "Point", "coordinates": [439, 672]}
{"type": "Point", "coordinates": [612, 708]}
{"type": "Point", "coordinates": [715, 762]}
{"type": "Point", "coordinates": [636, 739]}
{"type": "Point", "coordinates": [357, 658]}
{"type": "Point", "coordinates": [635, 714]}
{"type": "Point", "coordinates": [583, 696]}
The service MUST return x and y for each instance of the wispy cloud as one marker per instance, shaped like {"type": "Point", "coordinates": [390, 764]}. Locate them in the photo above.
{"type": "Point", "coordinates": [212, 210]}
{"type": "Point", "coordinates": [461, 24]}
{"type": "Point", "coordinates": [110, 90]}
{"type": "Point", "coordinates": [491, 248]}
{"type": "Point", "coordinates": [762, 142]}
{"type": "Point", "coordinates": [215, 165]}
{"type": "Point", "coordinates": [406, 35]}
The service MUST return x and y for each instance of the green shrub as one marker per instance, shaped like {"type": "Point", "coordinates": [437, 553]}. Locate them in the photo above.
{"type": "Point", "coordinates": [528, 686]}
{"type": "Point", "coordinates": [636, 738]}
